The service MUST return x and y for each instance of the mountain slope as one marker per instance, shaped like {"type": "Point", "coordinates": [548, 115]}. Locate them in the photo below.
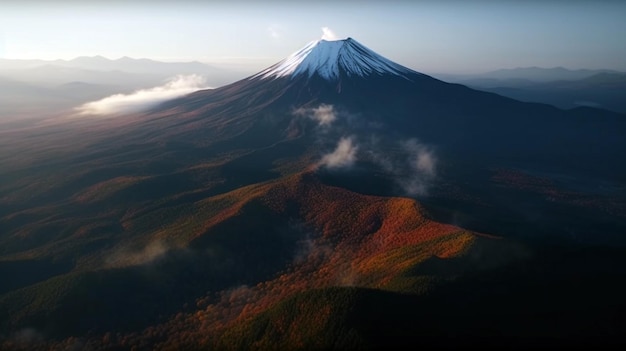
{"type": "Point", "coordinates": [279, 238]}
{"type": "Point", "coordinates": [602, 90]}
{"type": "Point", "coordinates": [451, 116]}
{"type": "Point", "coordinates": [472, 132]}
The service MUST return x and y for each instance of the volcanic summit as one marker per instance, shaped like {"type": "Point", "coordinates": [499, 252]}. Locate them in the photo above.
{"type": "Point", "coordinates": [331, 59]}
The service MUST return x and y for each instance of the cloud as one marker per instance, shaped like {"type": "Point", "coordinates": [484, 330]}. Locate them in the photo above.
{"type": "Point", "coordinates": [343, 156]}
{"type": "Point", "coordinates": [328, 34]}
{"type": "Point", "coordinates": [424, 160]}
{"type": "Point", "coordinates": [412, 166]}
{"type": "Point", "coordinates": [145, 98]}
{"type": "Point", "coordinates": [373, 151]}
{"type": "Point", "coordinates": [128, 257]}
{"type": "Point", "coordinates": [324, 114]}
{"type": "Point", "coordinates": [310, 246]}
{"type": "Point", "coordinates": [422, 168]}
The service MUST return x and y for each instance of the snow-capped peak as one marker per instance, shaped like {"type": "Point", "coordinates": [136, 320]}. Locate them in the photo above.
{"type": "Point", "coordinates": [328, 58]}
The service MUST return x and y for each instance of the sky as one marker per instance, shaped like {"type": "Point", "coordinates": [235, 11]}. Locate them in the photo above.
{"type": "Point", "coordinates": [427, 36]}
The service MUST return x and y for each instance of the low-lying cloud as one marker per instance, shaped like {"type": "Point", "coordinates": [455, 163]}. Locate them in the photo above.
{"type": "Point", "coordinates": [422, 168]}
{"type": "Point", "coordinates": [324, 114]}
{"type": "Point", "coordinates": [144, 98]}
{"type": "Point", "coordinates": [343, 156]}
{"type": "Point", "coordinates": [127, 256]}
{"type": "Point", "coordinates": [412, 165]}
{"type": "Point", "coordinates": [409, 163]}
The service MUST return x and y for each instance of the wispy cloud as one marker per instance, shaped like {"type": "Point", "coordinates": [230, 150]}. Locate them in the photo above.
{"type": "Point", "coordinates": [412, 165]}
{"type": "Point", "coordinates": [328, 34]}
{"type": "Point", "coordinates": [324, 114]}
{"type": "Point", "coordinates": [127, 256]}
{"type": "Point", "coordinates": [145, 98]}
{"type": "Point", "coordinates": [409, 163]}
{"type": "Point", "coordinates": [344, 155]}
{"type": "Point", "coordinates": [422, 168]}
{"type": "Point", "coordinates": [310, 245]}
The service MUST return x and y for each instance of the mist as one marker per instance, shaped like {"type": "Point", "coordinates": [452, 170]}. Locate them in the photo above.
{"type": "Point", "coordinates": [413, 169]}
{"type": "Point", "coordinates": [127, 256]}
{"type": "Point", "coordinates": [422, 168]}
{"type": "Point", "coordinates": [343, 156]}
{"type": "Point", "coordinates": [412, 165]}
{"type": "Point", "coordinates": [324, 114]}
{"type": "Point", "coordinates": [145, 98]}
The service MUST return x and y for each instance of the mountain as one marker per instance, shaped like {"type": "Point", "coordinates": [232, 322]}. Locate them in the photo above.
{"type": "Point", "coordinates": [53, 90]}
{"type": "Point", "coordinates": [539, 74]}
{"type": "Point", "coordinates": [602, 90]}
{"type": "Point", "coordinates": [566, 89]}
{"type": "Point", "coordinates": [474, 133]}
{"type": "Point", "coordinates": [332, 59]}
{"type": "Point", "coordinates": [138, 67]}
{"type": "Point", "coordinates": [216, 75]}
{"type": "Point", "coordinates": [411, 104]}
{"type": "Point", "coordinates": [334, 200]}
{"type": "Point", "coordinates": [23, 101]}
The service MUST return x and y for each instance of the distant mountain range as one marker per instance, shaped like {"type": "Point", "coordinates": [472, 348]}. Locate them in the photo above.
{"type": "Point", "coordinates": [534, 74]}
{"type": "Point", "coordinates": [555, 86]}
{"type": "Point", "coordinates": [46, 87]}
{"type": "Point", "coordinates": [142, 68]}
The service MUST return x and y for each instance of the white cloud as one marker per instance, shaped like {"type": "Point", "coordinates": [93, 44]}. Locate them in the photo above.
{"type": "Point", "coordinates": [422, 170]}
{"type": "Point", "coordinates": [145, 98]}
{"type": "Point", "coordinates": [344, 155]}
{"type": "Point", "coordinates": [413, 168]}
{"type": "Point", "coordinates": [328, 34]}
{"type": "Point", "coordinates": [324, 114]}
{"type": "Point", "coordinates": [424, 160]}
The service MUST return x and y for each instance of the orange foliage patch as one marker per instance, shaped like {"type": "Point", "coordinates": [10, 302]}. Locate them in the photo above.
{"type": "Point", "coordinates": [363, 241]}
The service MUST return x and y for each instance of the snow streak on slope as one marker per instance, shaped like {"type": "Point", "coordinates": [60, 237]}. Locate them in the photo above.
{"type": "Point", "coordinates": [329, 58]}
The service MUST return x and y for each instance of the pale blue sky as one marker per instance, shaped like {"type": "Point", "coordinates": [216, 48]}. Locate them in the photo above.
{"type": "Point", "coordinates": [428, 36]}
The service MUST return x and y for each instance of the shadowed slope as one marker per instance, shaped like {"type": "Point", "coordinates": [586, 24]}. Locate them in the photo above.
{"type": "Point", "coordinates": [336, 238]}
{"type": "Point", "coordinates": [252, 248]}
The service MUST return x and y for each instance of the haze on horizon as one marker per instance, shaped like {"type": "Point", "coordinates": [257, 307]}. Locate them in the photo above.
{"type": "Point", "coordinates": [428, 36]}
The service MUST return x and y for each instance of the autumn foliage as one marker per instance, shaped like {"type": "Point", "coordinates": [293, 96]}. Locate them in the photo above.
{"type": "Point", "coordinates": [348, 240]}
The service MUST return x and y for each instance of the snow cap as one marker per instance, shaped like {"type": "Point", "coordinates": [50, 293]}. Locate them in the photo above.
{"type": "Point", "coordinates": [327, 58]}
